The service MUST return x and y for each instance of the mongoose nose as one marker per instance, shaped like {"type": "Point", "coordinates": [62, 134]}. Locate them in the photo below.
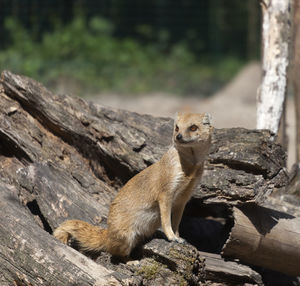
{"type": "Point", "coordinates": [179, 136]}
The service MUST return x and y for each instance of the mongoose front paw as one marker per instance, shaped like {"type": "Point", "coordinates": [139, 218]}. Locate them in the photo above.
{"type": "Point", "coordinates": [179, 240]}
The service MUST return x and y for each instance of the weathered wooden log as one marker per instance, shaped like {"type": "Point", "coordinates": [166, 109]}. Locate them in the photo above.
{"type": "Point", "coordinates": [30, 256]}
{"type": "Point", "coordinates": [65, 159]}
{"type": "Point", "coordinates": [265, 237]}
{"type": "Point", "coordinates": [217, 269]}
{"type": "Point", "coordinates": [244, 165]}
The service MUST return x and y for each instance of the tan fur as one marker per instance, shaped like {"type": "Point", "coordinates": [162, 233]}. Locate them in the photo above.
{"type": "Point", "coordinates": [155, 197]}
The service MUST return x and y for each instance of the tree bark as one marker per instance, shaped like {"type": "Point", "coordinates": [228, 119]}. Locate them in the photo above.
{"type": "Point", "coordinates": [62, 158]}
{"type": "Point", "coordinates": [276, 29]}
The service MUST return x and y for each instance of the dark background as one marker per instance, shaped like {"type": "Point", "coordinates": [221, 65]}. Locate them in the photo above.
{"type": "Point", "coordinates": [209, 30]}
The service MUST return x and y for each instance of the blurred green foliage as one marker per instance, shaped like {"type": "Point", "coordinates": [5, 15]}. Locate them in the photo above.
{"type": "Point", "coordinates": [85, 52]}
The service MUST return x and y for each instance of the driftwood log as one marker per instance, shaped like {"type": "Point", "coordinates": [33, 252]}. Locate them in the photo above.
{"type": "Point", "coordinates": [63, 158]}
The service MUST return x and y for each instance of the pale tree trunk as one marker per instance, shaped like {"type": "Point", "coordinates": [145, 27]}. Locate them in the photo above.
{"type": "Point", "coordinates": [275, 47]}
{"type": "Point", "coordinates": [282, 137]}
{"type": "Point", "coordinates": [296, 72]}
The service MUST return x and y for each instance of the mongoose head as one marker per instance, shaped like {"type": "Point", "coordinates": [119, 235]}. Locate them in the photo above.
{"type": "Point", "coordinates": [192, 130]}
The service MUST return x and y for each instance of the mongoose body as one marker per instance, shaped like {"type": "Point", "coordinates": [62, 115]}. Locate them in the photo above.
{"type": "Point", "coordinates": [155, 197]}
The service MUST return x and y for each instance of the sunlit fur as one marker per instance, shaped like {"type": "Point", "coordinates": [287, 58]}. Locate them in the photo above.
{"type": "Point", "coordinates": [155, 197]}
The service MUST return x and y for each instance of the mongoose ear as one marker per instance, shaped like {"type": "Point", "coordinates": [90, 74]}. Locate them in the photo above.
{"type": "Point", "coordinates": [207, 120]}
{"type": "Point", "coordinates": [177, 115]}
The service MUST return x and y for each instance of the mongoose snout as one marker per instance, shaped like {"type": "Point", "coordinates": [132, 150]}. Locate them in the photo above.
{"type": "Point", "coordinates": [179, 137]}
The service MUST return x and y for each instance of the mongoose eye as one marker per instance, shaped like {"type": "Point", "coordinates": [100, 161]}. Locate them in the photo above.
{"type": "Point", "coordinates": [176, 128]}
{"type": "Point", "coordinates": [193, 127]}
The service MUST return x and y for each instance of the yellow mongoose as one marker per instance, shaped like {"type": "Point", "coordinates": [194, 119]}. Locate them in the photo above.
{"type": "Point", "coordinates": [155, 197]}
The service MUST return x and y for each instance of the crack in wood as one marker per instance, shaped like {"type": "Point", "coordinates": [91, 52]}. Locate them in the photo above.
{"type": "Point", "coordinates": [243, 166]}
{"type": "Point", "coordinates": [36, 211]}
{"type": "Point", "coordinates": [11, 148]}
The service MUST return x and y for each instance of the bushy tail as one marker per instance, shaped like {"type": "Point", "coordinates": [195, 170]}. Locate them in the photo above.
{"type": "Point", "coordinates": [89, 237]}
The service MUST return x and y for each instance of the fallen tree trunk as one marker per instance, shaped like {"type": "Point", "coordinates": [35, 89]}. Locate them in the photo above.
{"type": "Point", "coordinates": [243, 165]}
{"type": "Point", "coordinates": [62, 158]}
{"type": "Point", "coordinates": [30, 256]}
{"type": "Point", "coordinates": [266, 238]}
